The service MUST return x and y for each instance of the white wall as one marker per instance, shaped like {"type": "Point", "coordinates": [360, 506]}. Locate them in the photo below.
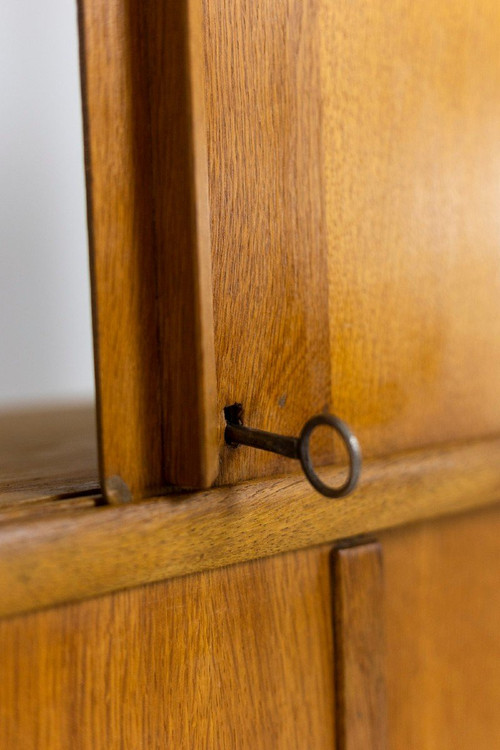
{"type": "Point", "coordinates": [45, 338]}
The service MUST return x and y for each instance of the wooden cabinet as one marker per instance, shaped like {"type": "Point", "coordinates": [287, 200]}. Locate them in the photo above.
{"type": "Point", "coordinates": [292, 206]}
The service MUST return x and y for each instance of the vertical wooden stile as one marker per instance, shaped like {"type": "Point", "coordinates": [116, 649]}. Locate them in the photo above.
{"type": "Point", "coordinates": [143, 101]}
{"type": "Point", "coordinates": [360, 691]}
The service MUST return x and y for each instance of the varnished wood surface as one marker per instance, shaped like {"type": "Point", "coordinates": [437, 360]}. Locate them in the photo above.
{"type": "Point", "coordinates": [350, 155]}
{"type": "Point", "coordinates": [143, 97]}
{"type": "Point", "coordinates": [411, 172]}
{"type": "Point", "coordinates": [80, 554]}
{"type": "Point", "coordinates": [46, 452]}
{"type": "Point", "coordinates": [182, 232]}
{"type": "Point", "coordinates": [235, 658]}
{"type": "Point", "coordinates": [269, 250]}
{"type": "Point", "coordinates": [29, 509]}
{"type": "Point", "coordinates": [360, 659]}
{"type": "Point", "coordinates": [443, 633]}
{"type": "Point", "coordinates": [362, 136]}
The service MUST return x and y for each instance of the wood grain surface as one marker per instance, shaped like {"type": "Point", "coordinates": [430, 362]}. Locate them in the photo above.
{"type": "Point", "coordinates": [411, 183]}
{"type": "Point", "coordinates": [143, 98]}
{"type": "Point", "coordinates": [348, 154]}
{"type": "Point", "coordinates": [79, 554]}
{"type": "Point", "coordinates": [235, 658]}
{"type": "Point", "coordinates": [47, 452]}
{"type": "Point", "coordinates": [269, 249]}
{"type": "Point", "coordinates": [362, 137]}
{"type": "Point", "coordinates": [442, 627]}
{"type": "Point", "coordinates": [360, 659]}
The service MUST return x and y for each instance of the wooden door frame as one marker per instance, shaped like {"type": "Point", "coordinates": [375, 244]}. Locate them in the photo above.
{"type": "Point", "coordinates": [147, 195]}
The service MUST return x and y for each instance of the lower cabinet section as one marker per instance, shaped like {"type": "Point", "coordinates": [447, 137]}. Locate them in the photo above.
{"type": "Point", "coordinates": [239, 657]}
{"type": "Point", "coordinates": [394, 643]}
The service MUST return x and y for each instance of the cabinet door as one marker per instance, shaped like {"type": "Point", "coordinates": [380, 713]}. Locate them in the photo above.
{"type": "Point", "coordinates": [442, 623]}
{"type": "Point", "coordinates": [353, 175]}
{"type": "Point", "coordinates": [293, 205]}
{"type": "Point", "coordinates": [238, 659]}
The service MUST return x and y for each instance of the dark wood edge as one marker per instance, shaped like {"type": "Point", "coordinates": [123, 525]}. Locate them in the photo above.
{"type": "Point", "coordinates": [87, 552]}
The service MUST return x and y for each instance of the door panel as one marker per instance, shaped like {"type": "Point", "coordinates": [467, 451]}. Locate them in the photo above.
{"type": "Point", "coordinates": [235, 658]}
{"type": "Point", "coordinates": [442, 623]}
{"type": "Point", "coordinates": [411, 182]}
{"type": "Point", "coordinates": [361, 137]}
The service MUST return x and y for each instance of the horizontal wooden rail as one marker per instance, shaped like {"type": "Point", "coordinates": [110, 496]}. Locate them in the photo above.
{"type": "Point", "coordinates": [90, 551]}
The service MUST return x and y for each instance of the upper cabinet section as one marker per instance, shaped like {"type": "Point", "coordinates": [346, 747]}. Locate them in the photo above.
{"type": "Point", "coordinates": [294, 206]}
